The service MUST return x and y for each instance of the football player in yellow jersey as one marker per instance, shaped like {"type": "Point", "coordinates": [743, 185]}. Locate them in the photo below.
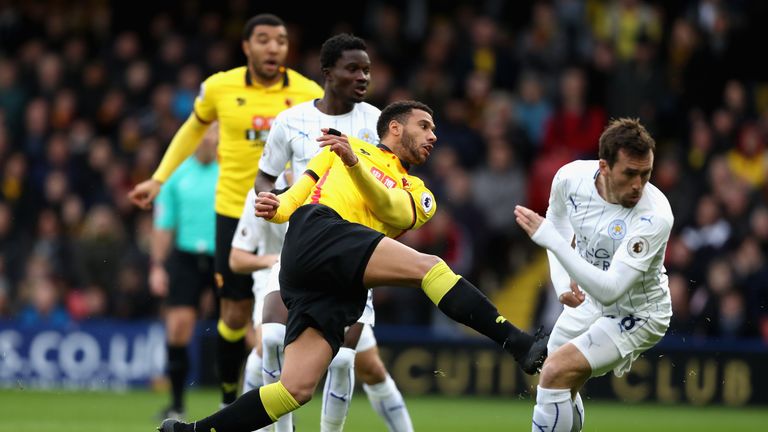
{"type": "Point", "coordinates": [244, 100]}
{"type": "Point", "coordinates": [343, 214]}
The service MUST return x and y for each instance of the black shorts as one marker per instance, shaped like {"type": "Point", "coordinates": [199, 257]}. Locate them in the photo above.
{"type": "Point", "coordinates": [321, 272]}
{"type": "Point", "coordinates": [188, 276]}
{"type": "Point", "coordinates": [230, 285]}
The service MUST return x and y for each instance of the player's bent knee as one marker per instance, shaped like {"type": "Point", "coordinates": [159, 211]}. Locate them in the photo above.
{"type": "Point", "coordinates": [371, 370]}
{"type": "Point", "coordinates": [302, 392]}
{"type": "Point", "coordinates": [426, 262]}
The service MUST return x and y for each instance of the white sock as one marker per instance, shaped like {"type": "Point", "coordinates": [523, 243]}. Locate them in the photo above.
{"type": "Point", "coordinates": [252, 378]}
{"type": "Point", "coordinates": [272, 339]}
{"type": "Point", "coordinates": [387, 401]}
{"type": "Point", "coordinates": [553, 411]}
{"type": "Point", "coordinates": [337, 393]}
{"type": "Point", "coordinates": [578, 414]}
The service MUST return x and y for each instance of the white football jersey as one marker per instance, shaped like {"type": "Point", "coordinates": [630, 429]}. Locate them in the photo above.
{"type": "Point", "coordinates": [605, 232]}
{"type": "Point", "coordinates": [255, 233]}
{"type": "Point", "coordinates": [292, 137]}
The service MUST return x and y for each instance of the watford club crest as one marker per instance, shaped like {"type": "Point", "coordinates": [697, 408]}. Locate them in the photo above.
{"type": "Point", "coordinates": [406, 183]}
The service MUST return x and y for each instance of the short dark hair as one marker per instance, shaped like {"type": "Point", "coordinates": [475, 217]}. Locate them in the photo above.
{"type": "Point", "coordinates": [261, 19]}
{"type": "Point", "coordinates": [398, 111]}
{"type": "Point", "coordinates": [625, 134]}
{"type": "Point", "coordinates": [334, 46]}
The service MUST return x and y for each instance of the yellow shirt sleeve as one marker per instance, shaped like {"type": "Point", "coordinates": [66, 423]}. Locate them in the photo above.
{"type": "Point", "coordinates": [424, 204]}
{"type": "Point", "coordinates": [392, 206]}
{"type": "Point", "coordinates": [182, 146]}
{"type": "Point", "coordinates": [298, 193]}
{"type": "Point", "coordinates": [205, 102]}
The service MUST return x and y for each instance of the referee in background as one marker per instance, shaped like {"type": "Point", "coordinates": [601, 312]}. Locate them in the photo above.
{"type": "Point", "coordinates": [182, 249]}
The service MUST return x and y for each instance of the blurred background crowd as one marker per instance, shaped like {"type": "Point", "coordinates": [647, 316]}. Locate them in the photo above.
{"type": "Point", "coordinates": [91, 95]}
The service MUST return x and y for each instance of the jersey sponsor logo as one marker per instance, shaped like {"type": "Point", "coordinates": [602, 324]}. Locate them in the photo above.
{"type": "Point", "coordinates": [366, 135]}
{"type": "Point", "coordinates": [638, 247]}
{"type": "Point", "coordinates": [427, 202]}
{"type": "Point", "coordinates": [261, 123]}
{"type": "Point", "coordinates": [617, 229]}
{"type": "Point", "coordinates": [388, 181]}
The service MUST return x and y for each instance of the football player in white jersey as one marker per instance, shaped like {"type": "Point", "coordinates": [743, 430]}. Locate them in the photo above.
{"type": "Point", "coordinates": [620, 225]}
{"type": "Point", "coordinates": [292, 138]}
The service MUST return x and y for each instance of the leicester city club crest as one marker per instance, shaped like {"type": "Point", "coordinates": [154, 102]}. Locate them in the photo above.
{"type": "Point", "coordinates": [367, 135]}
{"type": "Point", "coordinates": [617, 229]}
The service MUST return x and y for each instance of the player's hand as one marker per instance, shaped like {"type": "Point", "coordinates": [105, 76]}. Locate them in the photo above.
{"type": "Point", "coordinates": [144, 193]}
{"type": "Point", "coordinates": [529, 220]}
{"type": "Point", "coordinates": [266, 205]}
{"type": "Point", "coordinates": [158, 280]}
{"type": "Point", "coordinates": [573, 298]}
{"type": "Point", "coordinates": [338, 144]}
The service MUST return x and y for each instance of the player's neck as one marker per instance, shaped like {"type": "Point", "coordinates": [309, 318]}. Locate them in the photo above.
{"type": "Point", "coordinates": [333, 106]}
{"type": "Point", "coordinates": [602, 189]}
{"type": "Point", "coordinates": [256, 78]}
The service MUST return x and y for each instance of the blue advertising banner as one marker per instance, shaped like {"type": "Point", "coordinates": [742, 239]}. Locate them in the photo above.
{"type": "Point", "coordinates": [92, 355]}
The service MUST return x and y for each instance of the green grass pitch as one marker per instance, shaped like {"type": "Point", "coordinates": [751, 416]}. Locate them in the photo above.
{"type": "Point", "coordinates": [24, 410]}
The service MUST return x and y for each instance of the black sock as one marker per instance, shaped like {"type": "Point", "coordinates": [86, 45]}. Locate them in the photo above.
{"type": "Point", "coordinates": [230, 361]}
{"type": "Point", "coordinates": [178, 368]}
{"type": "Point", "coordinates": [466, 304]}
{"type": "Point", "coordinates": [246, 414]}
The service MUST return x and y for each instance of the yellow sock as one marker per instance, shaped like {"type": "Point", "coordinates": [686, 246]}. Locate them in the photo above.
{"type": "Point", "coordinates": [229, 334]}
{"type": "Point", "coordinates": [277, 400]}
{"type": "Point", "coordinates": [438, 281]}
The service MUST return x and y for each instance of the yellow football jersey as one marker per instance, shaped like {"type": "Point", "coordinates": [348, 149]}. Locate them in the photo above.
{"type": "Point", "coordinates": [335, 188]}
{"type": "Point", "coordinates": [245, 110]}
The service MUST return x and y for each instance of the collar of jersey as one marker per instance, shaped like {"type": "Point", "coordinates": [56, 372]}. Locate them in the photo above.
{"type": "Point", "coordinates": [249, 82]}
{"type": "Point", "coordinates": [406, 166]}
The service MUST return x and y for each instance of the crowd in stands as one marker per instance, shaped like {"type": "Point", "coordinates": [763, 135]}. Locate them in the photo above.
{"type": "Point", "coordinates": [89, 100]}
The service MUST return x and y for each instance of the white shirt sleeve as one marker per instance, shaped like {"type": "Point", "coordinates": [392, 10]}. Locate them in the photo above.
{"type": "Point", "coordinates": [277, 150]}
{"type": "Point", "coordinates": [249, 227]}
{"type": "Point", "coordinates": [605, 286]}
{"type": "Point", "coordinates": [557, 213]}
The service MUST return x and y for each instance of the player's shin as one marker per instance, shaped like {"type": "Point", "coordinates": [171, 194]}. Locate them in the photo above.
{"type": "Point", "coordinates": [386, 400]}
{"type": "Point", "coordinates": [337, 393]}
{"type": "Point", "coordinates": [178, 367]}
{"type": "Point", "coordinates": [231, 352]}
{"type": "Point", "coordinates": [578, 414]}
{"type": "Point", "coordinates": [272, 339]}
{"type": "Point", "coordinates": [553, 411]}
{"type": "Point", "coordinates": [463, 302]}
{"type": "Point", "coordinates": [252, 378]}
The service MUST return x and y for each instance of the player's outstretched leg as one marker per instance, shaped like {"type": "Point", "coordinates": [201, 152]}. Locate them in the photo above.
{"type": "Point", "coordinates": [272, 337]}
{"type": "Point", "coordinates": [464, 303]}
{"type": "Point", "coordinates": [338, 390]}
{"type": "Point", "coordinates": [393, 263]}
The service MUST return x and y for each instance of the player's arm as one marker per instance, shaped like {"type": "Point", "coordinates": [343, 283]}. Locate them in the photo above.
{"type": "Point", "coordinates": [276, 154]}
{"type": "Point", "coordinates": [161, 241]}
{"type": "Point", "coordinates": [182, 145]}
{"type": "Point", "coordinates": [557, 214]}
{"type": "Point", "coordinates": [279, 208]}
{"type": "Point", "coordinates": [249, 232]}
{"type": "Point", "coordinates": [394, 207]}
{"type": "Point", "coordinates": [606, 286]}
